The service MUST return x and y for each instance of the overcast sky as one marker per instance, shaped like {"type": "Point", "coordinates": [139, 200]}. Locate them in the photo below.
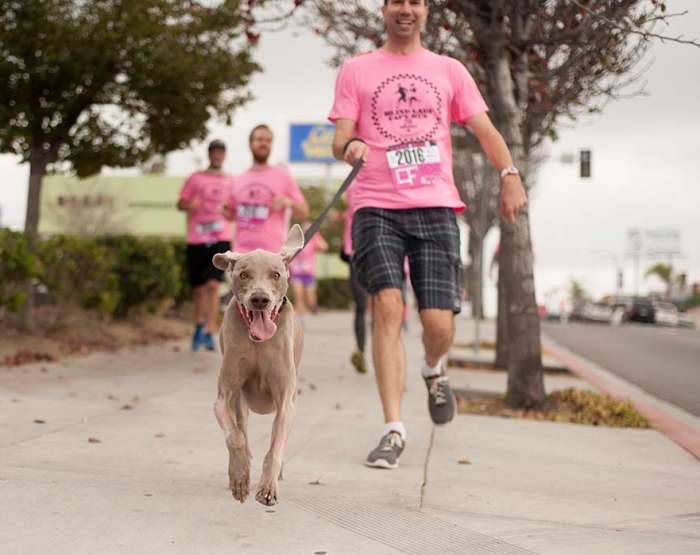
{"type": "Point", "coordinates": [646, 158]}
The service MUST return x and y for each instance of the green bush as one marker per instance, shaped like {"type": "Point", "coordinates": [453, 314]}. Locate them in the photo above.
{"type": "Point", "coordinates": [180, 251]}
{"type": "Point", "coordinates": [17, 265]}
{"type": "Point", "coordinates": [147, 269]}
{"type": "Point", "coordinates": [690, 302]}
{"type": "Point", "coordinates": [334, 293]}
{"type": "Point", "coordinates": [79, 271]}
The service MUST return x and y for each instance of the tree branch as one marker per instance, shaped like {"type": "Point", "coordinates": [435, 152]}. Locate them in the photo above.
{"type": "Point", "coordinates": [627, 29]}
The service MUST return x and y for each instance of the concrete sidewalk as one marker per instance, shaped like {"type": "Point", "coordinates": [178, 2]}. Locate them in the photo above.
{"type": "Point", "coordinates": [156, 481]}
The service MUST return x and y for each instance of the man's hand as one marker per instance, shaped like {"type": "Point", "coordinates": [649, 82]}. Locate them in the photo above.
{"type": "Point", "coordinates": [280, 201]}
{"type": "Point", "coordinates": [513, 197]}
{"type": "Point", "coordinates": [228, 213]}
{"type": "Point", "coordinates": [356, 150]}
{"type": "Point", "coordinates": [189, 206]}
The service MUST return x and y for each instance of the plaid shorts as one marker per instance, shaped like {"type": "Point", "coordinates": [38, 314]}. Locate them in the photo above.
{"type": "Point", "coordinates": [429, 237]}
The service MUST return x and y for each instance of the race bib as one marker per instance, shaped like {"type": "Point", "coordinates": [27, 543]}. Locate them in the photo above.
{"type": "Point", "coordinates": [207, 228]}
{"type": "Point", "coordinates": [414, 166]}
{"type": "Point", "coordinates": [252, 214]}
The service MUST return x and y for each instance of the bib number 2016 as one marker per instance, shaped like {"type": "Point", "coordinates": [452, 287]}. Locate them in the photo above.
{"type": "Point", "coordinates": [414, 166]}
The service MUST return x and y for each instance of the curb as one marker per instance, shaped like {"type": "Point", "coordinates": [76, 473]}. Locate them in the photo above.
{"type": "Point", "coordinates": [676, 424]}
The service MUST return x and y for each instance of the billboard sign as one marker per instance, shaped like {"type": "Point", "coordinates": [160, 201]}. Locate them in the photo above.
{"type": "Point", "coordinates": [311, 143]}
{"type": "Point", "coordinates": [654, 242]}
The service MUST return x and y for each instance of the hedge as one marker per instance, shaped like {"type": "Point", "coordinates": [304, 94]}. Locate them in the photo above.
{"type": "Point", "coordinates": [111, 274]}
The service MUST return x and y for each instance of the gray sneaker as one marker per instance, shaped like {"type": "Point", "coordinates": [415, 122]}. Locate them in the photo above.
{"type": "Point", "coordinates": [441, 400]}
{"type": "Point", "coordinates": [387, 453]}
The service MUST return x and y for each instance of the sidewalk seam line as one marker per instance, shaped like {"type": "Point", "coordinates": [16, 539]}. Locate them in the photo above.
{"type": "Point", "coordinates": [426, 464]}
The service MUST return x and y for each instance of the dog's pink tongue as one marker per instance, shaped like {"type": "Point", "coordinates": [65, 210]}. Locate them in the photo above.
{"type": "Point", "coordinates": [262, 326]}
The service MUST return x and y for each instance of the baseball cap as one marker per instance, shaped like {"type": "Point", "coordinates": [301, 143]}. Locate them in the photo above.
{"type": "Point", "coordinates": [217, 143]}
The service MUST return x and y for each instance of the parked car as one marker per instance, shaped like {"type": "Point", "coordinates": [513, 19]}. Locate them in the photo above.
{"type": "Point", "coordinates": [631, 309]}
{"type": "Point", "coordinates": [665, 314]}
{"type": "Point", "coordinates": [588, 311]}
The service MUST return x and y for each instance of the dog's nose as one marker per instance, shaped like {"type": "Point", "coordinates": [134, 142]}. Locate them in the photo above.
{"type": "Point", "coordinates": [259, 302]}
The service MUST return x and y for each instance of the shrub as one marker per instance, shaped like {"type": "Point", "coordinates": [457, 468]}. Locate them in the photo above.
{"type": "Point", "coordinates": [334, 293]}
{"type": "Point", "coordinates": [17, 265]}
{"type": "Point", "coordinates": [79, 271]}
{"type": "Point", "coordinates": [147, 269]}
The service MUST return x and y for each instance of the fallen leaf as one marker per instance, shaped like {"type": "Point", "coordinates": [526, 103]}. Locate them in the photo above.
{"type": "Point", "coordinates": [39, 421]}
{"type": "Point", "coordinates": [112, 398]}
{"type": "Point", "coordinates": [312, 387]}
{"type": "Point", "coordinates": [94, 440]}
{"type": "Point", "coordinates": [135, 399]}
{"type": "Point", "coordinates": [316, 482]}
{"type": "Point", "coordinates": [127, 407]}
{"type": "Point", "coordinates": [159, 435]}
{"type": "Point", "coordinates": [464, 461]}
{"type": "Point", "coordinates": [337, 406]}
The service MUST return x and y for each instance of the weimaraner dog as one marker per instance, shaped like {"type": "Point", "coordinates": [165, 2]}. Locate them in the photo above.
{"type": "Point", "coordinates": [261, 342]}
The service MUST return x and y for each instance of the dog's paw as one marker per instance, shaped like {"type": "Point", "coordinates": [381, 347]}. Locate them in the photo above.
{"type": "Point", "coordinates": [267, 493]}
{"type": "Point", "coordinates": [240, 486]}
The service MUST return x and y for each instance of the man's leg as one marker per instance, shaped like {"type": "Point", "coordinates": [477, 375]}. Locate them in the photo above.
{"type": "Point", "coordinates": [387, 351]}
{"type": "Point", "coordinates": [212, 305]}
{"type": "Point", "coordinates": [199, 296]}
{"type": "Point", "coordinates": [299, 299]}
{"type": "Point", "coordinates": [438, 333]}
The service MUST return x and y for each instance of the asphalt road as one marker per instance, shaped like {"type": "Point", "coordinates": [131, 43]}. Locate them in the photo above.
{"type": "Point", "coordinates": [665, 362]}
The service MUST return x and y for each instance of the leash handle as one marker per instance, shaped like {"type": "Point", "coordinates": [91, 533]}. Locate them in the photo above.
{"type": "Point", "coordinates": [314, 227]}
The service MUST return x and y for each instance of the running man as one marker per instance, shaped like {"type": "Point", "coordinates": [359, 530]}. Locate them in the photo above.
{"type": "Point", "coordinates": [204, 196]}
{"type": "Point", "coordinates": [405, 200]}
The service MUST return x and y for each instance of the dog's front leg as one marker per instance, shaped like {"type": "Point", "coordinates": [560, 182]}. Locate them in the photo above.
{"type": "Point", "coordinates": [232, 414]}
{"type": "Point", "coordinates": [272, 465]}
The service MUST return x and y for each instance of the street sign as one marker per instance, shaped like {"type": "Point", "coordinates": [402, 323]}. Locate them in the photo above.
{"type": "Point", "coordinates": [662, 242]}
{"type": "Point", "coordinates": [585, 163]}
{"type": "Point", "coordinates": [311, 143]}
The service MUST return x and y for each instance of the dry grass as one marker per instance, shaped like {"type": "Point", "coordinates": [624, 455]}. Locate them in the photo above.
{"type": "Point", "coordinates": [77, 332]}
{"type": "Point", "coordinates": [568, 405]}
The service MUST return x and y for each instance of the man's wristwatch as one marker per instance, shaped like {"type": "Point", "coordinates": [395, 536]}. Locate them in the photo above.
{"type": "Point", "coordinates": [510, 170]}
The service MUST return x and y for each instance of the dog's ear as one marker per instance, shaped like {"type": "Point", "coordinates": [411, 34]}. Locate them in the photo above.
{"type": "Point", "coordinates": [295, 242]}
{"type": "Point", "coordinates": [226, 260]}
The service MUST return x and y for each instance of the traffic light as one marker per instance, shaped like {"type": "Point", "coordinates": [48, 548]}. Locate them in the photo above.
{"type": "Point", "coordinates": [585, 163]}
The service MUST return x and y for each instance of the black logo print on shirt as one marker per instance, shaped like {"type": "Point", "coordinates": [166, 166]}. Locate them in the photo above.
{"type": "Point", "coordinates": [407, 108]}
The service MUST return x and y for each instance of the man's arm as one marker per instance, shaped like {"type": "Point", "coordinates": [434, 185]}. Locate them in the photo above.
{"type": "Point", "coordinates": [344, 131]}
{"type": "Point", "coordinates": [513, 197]}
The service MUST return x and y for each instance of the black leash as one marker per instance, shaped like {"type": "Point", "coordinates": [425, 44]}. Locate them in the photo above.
{"type": "Point", "coordinates": [314, 227]}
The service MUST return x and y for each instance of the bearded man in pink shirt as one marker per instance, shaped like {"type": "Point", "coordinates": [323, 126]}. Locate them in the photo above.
{"type": "Point", "coordinates": [204, 197]}
{"type": "Point", "coordinates": [392, 109]}
{"type": "Point", "coordinates": [263, 199]}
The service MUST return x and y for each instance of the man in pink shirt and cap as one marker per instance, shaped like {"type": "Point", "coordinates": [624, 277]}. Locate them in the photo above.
{"type": "Point", "coordinates": [204, 196]}
{"type": "Point", "coordinates": [393, 108]}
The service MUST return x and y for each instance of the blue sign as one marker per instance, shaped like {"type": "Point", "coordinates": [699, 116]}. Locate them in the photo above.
{"type": "Point", "coordinates": [311, 143]}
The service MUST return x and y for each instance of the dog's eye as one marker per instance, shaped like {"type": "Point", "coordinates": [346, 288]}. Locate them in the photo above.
{"type": "Point", "coordinates": [276, 275]}
{"type": "Point", "coordinates": [244, 275]}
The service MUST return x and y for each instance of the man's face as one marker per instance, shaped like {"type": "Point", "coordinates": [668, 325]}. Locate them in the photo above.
{"type": "Point", "coordinates": [404, 19]}
{"type": "Point", "coordinates": [216, 158]}
{"type": "Point", "coordinates": [261, 145]}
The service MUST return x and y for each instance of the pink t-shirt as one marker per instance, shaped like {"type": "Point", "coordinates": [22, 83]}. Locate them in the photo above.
{"type": "Point", "coordinates": [207, 224]}
{"type": "Point", "coordinates": [403, 106]}
{"type": "Point", "coordinates": [258, 225]}
{"type": "Point", "coordinates": [305, 261]}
